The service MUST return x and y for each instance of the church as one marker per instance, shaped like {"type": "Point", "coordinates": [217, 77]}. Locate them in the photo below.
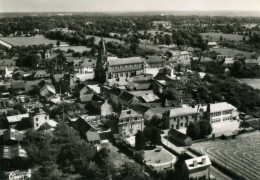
{"type": "Point", "coordinates": [114, 67]}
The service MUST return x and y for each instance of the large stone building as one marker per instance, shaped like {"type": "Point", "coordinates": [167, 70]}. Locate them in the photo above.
{"type": "Point", "coordinates": [221, 112]}
{"type": "Point", "coordinates": [179, 118]}
{"type": "Point", "coordinates": [114, 67]}
{"type": "Point", "coordinates": [126, 123]}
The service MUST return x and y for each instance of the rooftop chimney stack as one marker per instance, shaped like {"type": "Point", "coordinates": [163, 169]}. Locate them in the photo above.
{"type": "Point", "coordinates": [195, 163]}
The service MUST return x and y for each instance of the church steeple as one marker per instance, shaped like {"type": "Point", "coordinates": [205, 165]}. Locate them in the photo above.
{"type": "Point", "coordinates": [100, 74]}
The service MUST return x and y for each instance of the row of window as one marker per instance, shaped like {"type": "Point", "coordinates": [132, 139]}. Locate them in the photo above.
{"type": "Point", "coordinates": [227, 112]}
{"type": "Point", "coordinates": [216, 120]}
{"type": "Point", "coordinates": [216, 114]}
{"type": "Point", "coordinates": [44, 118]}
{"type": "Point", "coordinates": [126, 66]}
{"type": "Point", "coordinates": [227, 118]}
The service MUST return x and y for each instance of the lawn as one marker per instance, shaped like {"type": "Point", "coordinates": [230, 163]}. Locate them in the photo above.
{"type": "Point", "coordinates": [255, 83]}
{"type": "Point", "coordinates": [75, 48]}
{"type": "Point", "coordinates": [159, 160]}
{"type": "Point", "coordinates": [216, 36]}
{"type": "Point", "coordinates": [240, 155]}
{"type": "Point", "coordinates": [97, 39]}
{"type": "Point", "coordinates": [26, 41]}
{"type": "Point", "coordinates": [232, 52]}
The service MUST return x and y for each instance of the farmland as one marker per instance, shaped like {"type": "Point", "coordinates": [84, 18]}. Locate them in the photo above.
{"type": "Point", "coordinates": [75, 48]}
{"type": "Point", "coordinates": [232, 52]}
{"type": "Point", "coordinates": [216, 36]}
{"type": "Point", "coordinates": [240, 155]}
{"type": "Point", "coordinates": [26, 41]}
{"type": "Point", "coordinates": [97, 39]}
{"type": "Point", "coordinates": [255, 83]}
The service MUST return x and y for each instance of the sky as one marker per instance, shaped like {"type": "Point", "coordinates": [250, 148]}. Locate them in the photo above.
{"type": "Point", "coordinates": [127, 5]}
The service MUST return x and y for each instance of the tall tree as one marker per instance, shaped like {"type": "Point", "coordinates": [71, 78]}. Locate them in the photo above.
{"type": "Point", "coordinates": [139, 140]}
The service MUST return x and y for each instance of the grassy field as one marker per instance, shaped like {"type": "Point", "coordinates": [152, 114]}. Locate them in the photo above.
{"type": "Point", "coordinates": [232, 52]}
{"type": "Point", "coordinates": [216, 36]}
{"type": "Point", "coordinates": [255, 83]}
{"type": "Point", "coordinates": [240, 155]}
{"type": "Point", "coordinates": [97, 39]}
{"type": "Point", "coordinates": [26, 41]}
{"type": "Point", "coordinates": [75, 48]}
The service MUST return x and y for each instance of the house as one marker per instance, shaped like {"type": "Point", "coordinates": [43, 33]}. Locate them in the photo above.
{"type": "Point", "coordinates": [11, 148]}
{"type": "Point", "coordinates": [196, 168]}
{"type": "Point", "coordinates": [15, 119]}
{"type": "Point", "coordinates": [252, 63]}
{"type": "Point", "coordinates": [221, 112]}
{"type": "Point", "coordinates": [41, 74]}
{"type": "Point", "coordinates": [228, 62]}
{"type": "Point", "coordinates": [155, 111]}
{"type": "Point", "coordinates": [87, 130]}
{"type": "Point", "coordinates": [165, 24]}
{"type": "Point", "coordinates": [126, 123]}
{"type": "Point", "coordinates": [126, 99]}
{"type": "Point", "coordinates": [48, 54]}
{"type": "Point", "coordinates": [38, 118]}
{"type": "Point", "coordinates": [179, 138]}
{"type": "Point", "coordinates": [84, 68]}
{"type": "Point", "coordinates": [18, 85]}
{"type": "Point", "coordinates": [155, 61]}
{"type": "Point", "coordinates": [102, 105]}
{"type": "Point", "coordinates": [179, 118]}
{"type": "Point", "coordinates": [9, 71]}
{"type": "Point", "coordinates": [212, 44]}
{"type": "Point", "coordinates": [180, 58]}
{"type": "Point", "coordinates": [46, 90]}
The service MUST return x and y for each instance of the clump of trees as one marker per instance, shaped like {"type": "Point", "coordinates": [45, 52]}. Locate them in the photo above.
{"type": "Point", "coordinates": [199, 130]}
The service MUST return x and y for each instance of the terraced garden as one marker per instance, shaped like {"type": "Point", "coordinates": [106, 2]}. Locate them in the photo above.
{"type": "Point", "coordinates": [240, 156]}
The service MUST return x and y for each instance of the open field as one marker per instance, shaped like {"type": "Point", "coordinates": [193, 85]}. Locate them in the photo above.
{"type": "Point", "coordinates": [240, 155]}
{"type": "Point", "coordinates": [216, 36]}
{"type": "Point", "coordinates": [97, 39]}
{"type": "Point", "coordinates": [232, 52]}
{"type": "Point", "coordinates": [26, 41]}
{"type": "Point", "coordinates": [255, 83]}
{"type": "Point", "coordinates": [75, 48]}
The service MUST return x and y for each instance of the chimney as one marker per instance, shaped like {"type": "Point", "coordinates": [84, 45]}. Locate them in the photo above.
{"type": "Point", "coordinates": [203, 161]}
{"type": "Point", "coordinates": [195, 163]}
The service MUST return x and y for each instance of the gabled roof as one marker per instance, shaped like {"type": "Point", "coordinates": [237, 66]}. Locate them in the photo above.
{"type": "Point", "coordinates": [128, 113]}
{"type": "Point", "coordinates": [223, 106]}
{"type": "Point", "coordinates": [252, 61]}
{"type": "Point", "coordinates": [18, 84]}
{"type": "Point", "coordinates": [183, 111]}
{"type": "Point", "coordinates": [12, 134]}
{"type": "Point", "coordinates": [122, 61]}
{"type": "Point", "coordinates": [177, 135]}
{"type": "Point", "coordinates": [125, 96]}
{"type": "Point", "coordinates": [150, 97]}
{"type": "Point", "coordinates": [154, 59]}
{"type": "Point", "coordinates": [16, 118]}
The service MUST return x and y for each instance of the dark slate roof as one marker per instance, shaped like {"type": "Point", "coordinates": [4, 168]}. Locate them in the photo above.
{"type": "Point", "coordinates": [115, 91]}
{"type": "Point", "coordinates": [154, 59]}
{"type": "Point", "coordinates": [125, 96]}
{"type": "Point", "coordinates": [177, 135]}
{"type": "Point", "coordinates": [18, 84]}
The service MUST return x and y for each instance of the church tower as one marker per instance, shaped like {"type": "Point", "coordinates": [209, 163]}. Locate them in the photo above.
{"type": "Point", "coordinates": [100, 70]}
